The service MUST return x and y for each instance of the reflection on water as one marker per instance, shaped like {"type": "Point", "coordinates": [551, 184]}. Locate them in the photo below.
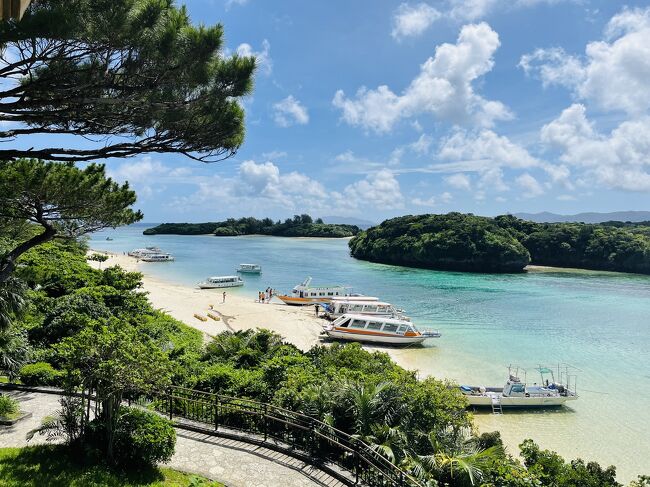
{"type": "Point", "coordinates": [598, 322]}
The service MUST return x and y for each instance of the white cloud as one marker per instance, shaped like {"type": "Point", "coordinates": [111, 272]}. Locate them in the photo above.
{"type": "Point", "coordinates": [613, 73]}
{"type": "Point", "coordinates": [421, 146]}
{"type": "Point", "coordinates": [413, 20]}
{"type": "Point", "coordinates": [443, 88]}
{"type": "Point", "coordinates": [290, 112]}
{"type": "Point", "coordinates": [620, 159]}
{"type": "Point", "coordinates": [432, 201]}
{"type": "Point", "coordinates": [262, 58]}
{"type": "Point", "coordinates": [138, 171]}
{"type": "Point", "coordinates": [459, 181]}
{"type": "Point", "coordinates": [380, 190]}
{"type": "Point", "coordinates": [230, 3]}
{"type": "Point", "coordinates": [274, 154]}
{"type": "Point", "coordinates": [532, 188]}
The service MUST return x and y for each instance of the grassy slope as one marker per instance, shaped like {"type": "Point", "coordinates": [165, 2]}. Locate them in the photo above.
{"type": "Point", "coordinates": [50, 465]}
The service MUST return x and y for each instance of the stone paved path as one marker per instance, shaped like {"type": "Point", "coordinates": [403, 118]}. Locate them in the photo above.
{"type": "Point", "coordinates": [234, 463]}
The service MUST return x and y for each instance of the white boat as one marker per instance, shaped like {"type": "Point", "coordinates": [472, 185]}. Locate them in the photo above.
{"type": "Point", "coordinates": [518, 394]}
{"type": "Point", "coordinates": [139, 253]}
{"type": "Point", "coordinates": [158, 257]}
{"type": "Point", "coordinates": [221, 281]}
{"type": "Point", "coordinates": [304, 293]}
{"type": "Point", "coordinates": [376, 329]}
{"type": "Point", "coordinates": [339, 307]}
{"type": "Point", "coordinates": [249, 268]}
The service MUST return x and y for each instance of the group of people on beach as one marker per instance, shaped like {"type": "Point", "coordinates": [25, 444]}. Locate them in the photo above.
{"type": "Point", "coordinates": [265, 296]}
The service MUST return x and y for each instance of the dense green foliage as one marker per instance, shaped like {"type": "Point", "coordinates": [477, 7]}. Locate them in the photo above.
{"type": "Point", "coordinates": [129, 76]}
{"type": "Point", "coordinates": [298, 226]}
{"type": "Point", "coordinates": [58, 200]}
{"type": "Point", "coordinates": [503, 244]}
{"type": "Point", "coordinates": [453, 241]}
{"type": "Point", "coordinates": [40, 374]}
{"type": "Point", "coordinates": [143, 438]}
{"type": "Point", "coordinates": [56, 466]}
{"type": "Point", "coordinates": [8, 405]}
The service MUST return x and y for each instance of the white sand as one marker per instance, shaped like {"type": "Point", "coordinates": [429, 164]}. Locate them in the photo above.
{"type": "Point", "coordinates": [297, 325]}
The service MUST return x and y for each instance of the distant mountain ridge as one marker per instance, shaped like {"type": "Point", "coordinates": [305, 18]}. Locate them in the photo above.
{"type": "Point", "coordinates": [589, 217]}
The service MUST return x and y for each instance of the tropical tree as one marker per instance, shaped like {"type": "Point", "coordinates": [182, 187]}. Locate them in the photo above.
{"type": "Point", "coordinates": [465, 463]}
{"type": "Point", "coordinates": [14, 351]}
{"type": "Point", "coordinates": [60, 200]}
{"type": "Point", "coordinates": [108, 361]}
{"type": "Point", "coordinates": [12, 300]}
{"type": "Point", "coordinates": [129, 76]}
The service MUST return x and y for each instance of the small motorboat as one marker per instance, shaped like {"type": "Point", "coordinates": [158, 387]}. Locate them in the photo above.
{"type": "Point", "coordinates": [377, 329]}
{"type": "Point", "coordinates": [249, 268]}
{"type": "Point", "coordinates": [305, 293]}
{"type": "Point", "coordinates": [221, 281]}
{"type": "Point", "coordinates": [517, 393]}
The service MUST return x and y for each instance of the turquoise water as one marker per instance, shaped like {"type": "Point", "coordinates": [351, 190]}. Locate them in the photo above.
{"type": "Point", "coordinates": [597, 322]}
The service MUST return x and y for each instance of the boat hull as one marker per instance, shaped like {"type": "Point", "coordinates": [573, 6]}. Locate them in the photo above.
{"type": "Point", "coordinates": [241, 271]}
{"type": "Point", "coordinates": [220, 286]}
{"type": "Point", "coordinates": [520, 402]}
{"type": "Point", "coordinates": [374, 337]}
{"type": "Point", "coordinates": [294, 301]}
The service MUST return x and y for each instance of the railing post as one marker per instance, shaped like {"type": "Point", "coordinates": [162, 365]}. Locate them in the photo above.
{"type": "Point", "coordinates": [216, 412]}
{"type": "Point", "coordinates": [171, 402]}
{"type": "Point", "coordinates": [266, 421]}
{"type": "Point", "coordinates": [356, 467]}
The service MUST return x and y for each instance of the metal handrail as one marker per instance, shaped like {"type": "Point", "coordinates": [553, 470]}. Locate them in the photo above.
{"type": "Point", "coordinates": [319, 440]}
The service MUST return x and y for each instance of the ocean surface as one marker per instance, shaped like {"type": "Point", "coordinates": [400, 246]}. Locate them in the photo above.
{"type": "Point", "coordinates": [595, 321]}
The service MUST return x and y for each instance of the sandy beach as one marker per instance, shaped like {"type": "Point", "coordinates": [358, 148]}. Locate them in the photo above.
{"type": "Point", "coordinates": [297, 325]}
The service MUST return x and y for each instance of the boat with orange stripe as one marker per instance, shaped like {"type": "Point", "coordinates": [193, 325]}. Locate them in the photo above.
{"type": "Point", "coordinates": [377, 329]}
{"type": "Point", "coordinates": [305, 293]}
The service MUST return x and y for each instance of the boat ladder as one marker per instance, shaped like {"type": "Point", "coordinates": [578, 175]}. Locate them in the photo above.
{"type": "Point", "coordinates": [496, 405]}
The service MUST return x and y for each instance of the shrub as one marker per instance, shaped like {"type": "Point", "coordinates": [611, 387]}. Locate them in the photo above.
{"type": "Point", "coordinates": [8, 405]}
{"type": "Point", "coordinates": [40, 374]}
{"type": "Point", "coordinates": [143, 438]}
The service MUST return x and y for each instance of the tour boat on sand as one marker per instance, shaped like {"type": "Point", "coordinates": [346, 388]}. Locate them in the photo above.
{"type": "Point", "coordinates": [376, 329]}
{"type": "Point", "coordinates": [158, 257]}
{"type": "Point", "coordinates": [249, 268]}
{"type": "Point", "coordinates": [517, 393]}
{"type": "Point", "coordinates": [304, 293]}
{"type": "Point", "coordinates": [221, 281]}
{"type": "Point", "coordinates": [339, 307]}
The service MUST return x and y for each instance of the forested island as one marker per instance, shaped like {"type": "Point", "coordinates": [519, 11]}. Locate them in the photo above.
{"type": "Point", "coordinates": [466, 242]}
{"type": "Point", "coordinates": [298, 226]}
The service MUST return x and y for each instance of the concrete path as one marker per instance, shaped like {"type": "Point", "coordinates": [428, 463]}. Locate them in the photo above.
{"type": "Point", "coordinates": [234, 463]}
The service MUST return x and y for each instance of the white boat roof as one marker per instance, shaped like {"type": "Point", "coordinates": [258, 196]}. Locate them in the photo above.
{"type": "Point", "coordinates": [250, 265]}
{"type": "Point", "coordinates": [370, 302]}
{"type": "Point", "coordinates": [224, 277]}
{"type": "Point", "coordinates": [395, 321]}
{"type": "Point", "coordinates": [354, 298]}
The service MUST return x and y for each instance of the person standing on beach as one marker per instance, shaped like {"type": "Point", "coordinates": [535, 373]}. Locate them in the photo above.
{"type": "Point", "coordinates": [316, 308]}
{"type": "Point", "coordinates": [224, 297]}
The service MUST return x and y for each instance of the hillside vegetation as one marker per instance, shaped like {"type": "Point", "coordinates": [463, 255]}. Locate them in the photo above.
{"type": "Point", "coordinates": [466, 242]}
{"type": "Point", "coordinates": [298, 226]}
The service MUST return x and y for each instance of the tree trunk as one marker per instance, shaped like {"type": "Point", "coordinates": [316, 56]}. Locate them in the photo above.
{"type": "Point", "coordinates": [8, 263]}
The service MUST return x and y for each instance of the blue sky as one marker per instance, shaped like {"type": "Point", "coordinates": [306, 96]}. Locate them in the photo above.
{"type": "Point", "coordinates": [374, 109]}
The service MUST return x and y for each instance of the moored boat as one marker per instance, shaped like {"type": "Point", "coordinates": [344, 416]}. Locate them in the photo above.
{"type": "Point", "coordinates": [555, 390]}
{"type": "Point", "coordinates": [162, 257]}
{"type": "Point", "coordinates": [339, 307]}
{"type": "Point", "coordinates": [249, 268]}
{"type": "Point", "coordinates": [304, 293]}
{"type": "Point", "coordinates": [221, 281]}
{"type": "Point", "coordinates": [376, 329]}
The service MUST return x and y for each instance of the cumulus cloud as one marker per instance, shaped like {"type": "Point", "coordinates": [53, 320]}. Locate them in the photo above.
{"type": "Point", "coordinates": [613, 73]}
{"type": "Point", "coordinates": [459, 181]}
{"type": "Point", "coordinates": [379, 190]}
{"type": "Point", "coordinates": [443, 88]}
{"type": "Point", "coordinates": [413, 20]}
{"type": "Point", "coordinates": [262, 57]}
{"type": "Point", "coordinates": [531, 187]}
{"type": "Point", "coordinates": [290, 112]}
{"type": "Point", "coordinates": [620, 159]}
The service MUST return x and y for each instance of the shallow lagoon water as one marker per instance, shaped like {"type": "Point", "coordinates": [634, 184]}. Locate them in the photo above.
{"type": "Point", "coordinates": [598, 322]}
